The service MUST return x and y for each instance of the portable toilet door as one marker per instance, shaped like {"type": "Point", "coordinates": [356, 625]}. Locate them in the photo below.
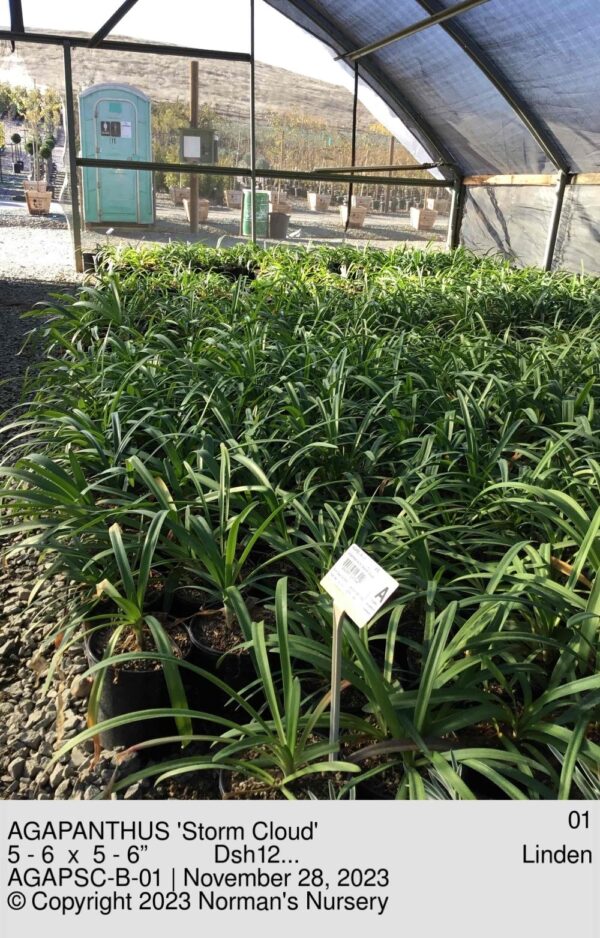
{"type": "Point", "coordinates": [115, 124]}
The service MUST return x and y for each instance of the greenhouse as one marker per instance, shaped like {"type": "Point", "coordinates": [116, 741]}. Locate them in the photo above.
{"type": "Point", "coordinates": [300, 462]}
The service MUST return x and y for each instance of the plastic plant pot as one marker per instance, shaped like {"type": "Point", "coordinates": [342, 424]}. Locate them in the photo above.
{"type": "Point", "coordinates": [126, 690]}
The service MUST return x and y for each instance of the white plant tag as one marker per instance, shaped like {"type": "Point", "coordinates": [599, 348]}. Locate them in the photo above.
{"type": "Point", "coordinates": [358, 585]}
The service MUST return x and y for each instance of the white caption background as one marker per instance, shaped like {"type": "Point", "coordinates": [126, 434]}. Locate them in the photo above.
{"type": "Point", "coordinates": [454, 869]}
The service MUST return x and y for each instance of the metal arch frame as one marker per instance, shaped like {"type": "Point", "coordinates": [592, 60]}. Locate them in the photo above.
{"type": "Point", "coordinates": [544, 138]}
{"type": "Point", "coordinates": [69, 116]}
{"type": "Point", "coordinates": [112, 22]}
{"type": "Point", "coordinates": [446, 14]}
{"type": "Point", "coordinates": [68, 42]}
{"type": "Point", "coordinates": [541, 134]}
{"type": "Point", "coordinates": [118, 45]}
{"type": "Point", "coordinates": [369, 70]}
{"type": "Point", "coordinates": [488, 67]}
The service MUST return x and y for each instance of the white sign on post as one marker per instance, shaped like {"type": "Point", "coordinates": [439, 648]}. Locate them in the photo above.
{"type": "Point", "coordinates": [191, 147]}
{"type": "Point", "coordinates": [358, 585]}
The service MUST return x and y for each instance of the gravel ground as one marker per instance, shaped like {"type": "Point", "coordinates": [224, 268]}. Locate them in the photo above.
{"type": "Point", "coordinates": [17, 351]}
{"type": "Point", "coordinates": [35, 254]}
{"type": "Point", "coordinates": [39, 248]}
{"type": "Point", "coordinates": [305, 227]}
{"type": "Point", "coordinates": [35, 722]}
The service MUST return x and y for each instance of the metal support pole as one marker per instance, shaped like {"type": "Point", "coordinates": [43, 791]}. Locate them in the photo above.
{"type": "Point", "coordinates": [112, 22]}
{"type": "Point", "coordinates": [456, 213]}
{"type": "Point", "coordinates": [206, 168]}
{"type": "Point", "coordinates": [336, 679]}
{"type": "Point", "coordinates": [116, 45]}
{"type": "Point", "coordinates": [353, 157]}
{"type": "Point", "coordinates": [72, 145]}
{"type": "Point", "coordinates": [385, 167]}
{"type": "Point", "coordinates": [555, 220]}
{"type": "Point", "coordinates": [433, 20]}
{"type": "Point", "coordinates": [194, 123]}
{"type": "Point", "coordinates": [387, 189]}
{"type": "Point", "coordinates": [252, 123]}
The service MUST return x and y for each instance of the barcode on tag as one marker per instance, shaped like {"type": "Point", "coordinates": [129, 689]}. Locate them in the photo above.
{"type": "Point", "coordinates": [355, 572]}
{"type": "Point", "coordinates": [358, 585]}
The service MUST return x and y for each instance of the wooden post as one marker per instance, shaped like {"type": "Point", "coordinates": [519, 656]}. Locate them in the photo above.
{"type": "Point", "coordinates": [194, 123]}
{"type": "Point", "coordinates": [281, 158]}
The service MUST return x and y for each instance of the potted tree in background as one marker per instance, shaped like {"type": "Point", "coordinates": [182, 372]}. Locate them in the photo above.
{"type": "Point", "coordinates": [46, 154]}
{"type": "Point", "coordinates": [17, 156]}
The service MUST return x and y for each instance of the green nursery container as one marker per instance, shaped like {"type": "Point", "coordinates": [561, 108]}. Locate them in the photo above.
{"type": "Point", "coordinates": [262, 214]}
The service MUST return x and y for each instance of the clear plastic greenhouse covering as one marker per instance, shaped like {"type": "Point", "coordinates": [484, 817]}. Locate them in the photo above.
{"type": "Point", "coordinates": [509, 87]}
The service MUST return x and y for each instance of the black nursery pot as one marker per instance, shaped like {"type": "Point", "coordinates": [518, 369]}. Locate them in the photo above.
{"type": "Point", "coordinates": [126, 691]}
{"type": "Point", "coordinates": [89, 261]}
{"type": "Point", "coordinates": [234, 669]}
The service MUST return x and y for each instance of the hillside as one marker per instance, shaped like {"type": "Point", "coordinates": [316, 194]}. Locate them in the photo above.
{"type": "Point", "coordinates": [223, 85]}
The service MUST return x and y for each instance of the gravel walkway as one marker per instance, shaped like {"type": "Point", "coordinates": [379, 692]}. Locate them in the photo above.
{"type": "Point", "coordinates": [35, 721]}
{"type": "Point", "coordinates": [35, 253]}
{"type": "Point", "coordinates": [39, 714]}
{"type": "Point", "coordinates": [305, 227]}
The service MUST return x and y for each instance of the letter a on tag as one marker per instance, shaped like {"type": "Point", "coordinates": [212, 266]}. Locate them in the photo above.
{"type": "Point", "coordinates": [358, 585]}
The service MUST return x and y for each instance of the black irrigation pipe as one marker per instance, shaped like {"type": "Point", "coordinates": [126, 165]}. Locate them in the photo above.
{"type": "Point", "coordinates": [387, 167]}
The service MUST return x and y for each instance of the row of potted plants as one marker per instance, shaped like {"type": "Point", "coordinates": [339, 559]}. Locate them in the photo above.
{"type": "Point", "coordinates": [209, 430]}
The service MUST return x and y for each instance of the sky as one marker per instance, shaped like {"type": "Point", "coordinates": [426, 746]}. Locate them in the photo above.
{"type": "Point", "coordinates": [214, 24]}
{"type": "Point", "coordinates": [205, 24]}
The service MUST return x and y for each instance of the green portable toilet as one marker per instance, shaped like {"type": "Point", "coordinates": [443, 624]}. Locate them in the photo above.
{"type": "Point", "coordinates": [115, 124]}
